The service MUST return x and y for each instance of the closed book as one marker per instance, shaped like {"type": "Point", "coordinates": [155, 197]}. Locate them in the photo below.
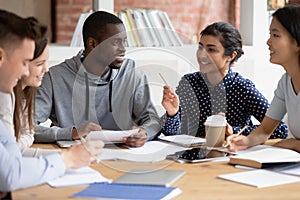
{"type": "Point", "coordinates": [127, 191]}
{"type": "Point", "coordinates": [264, 158]}
{"type": "Point", "coordinates": [147, 177]}
{"type": "Point", "coordinates": [134, 31]}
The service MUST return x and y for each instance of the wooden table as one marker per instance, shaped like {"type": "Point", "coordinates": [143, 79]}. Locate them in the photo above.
{"type": "Point", "coordinates": [199, 182]}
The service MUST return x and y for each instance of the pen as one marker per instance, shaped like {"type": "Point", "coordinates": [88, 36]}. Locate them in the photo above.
{"type": "Point", "coordinates": [239, 133]}
{"type": "Point", "coordinates": [164, 80]}
{"type": "Point", "coordinates": [83, 141]}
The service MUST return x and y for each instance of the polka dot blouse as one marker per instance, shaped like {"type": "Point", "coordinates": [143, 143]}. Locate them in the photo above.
{"type": "Point", "coordinates": [235, 96]}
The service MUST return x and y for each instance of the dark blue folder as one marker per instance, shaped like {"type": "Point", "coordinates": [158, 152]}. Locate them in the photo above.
{"type": "Point", "coordinates": [124, 191]}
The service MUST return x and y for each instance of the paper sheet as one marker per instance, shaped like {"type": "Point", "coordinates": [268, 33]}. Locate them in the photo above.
{"type": "Point", "coordinates": [111, 136]}
{"type": "Point", "coordinates": [260, 178]}
{"type": "Point", "coordinates": [81, 176]}
{"type": "Point", "coordinates": [183, 140]}
{"type": "Point", "coordinates": [152, 151]}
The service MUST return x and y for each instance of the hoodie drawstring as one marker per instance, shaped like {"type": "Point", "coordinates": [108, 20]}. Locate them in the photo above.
{"type": "Point", "coordinates": [87, 96]}
{"type": "Point", "coordinates": [110, 95]}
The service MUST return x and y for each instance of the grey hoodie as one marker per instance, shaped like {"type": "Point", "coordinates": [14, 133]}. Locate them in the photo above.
{"type": "Point", "coordinates": [70, 96]}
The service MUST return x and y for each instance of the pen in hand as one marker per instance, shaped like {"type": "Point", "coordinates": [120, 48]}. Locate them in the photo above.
{"type": "Point", "coordinates": [164, 80]}
{"type": "Point", "coordinates": [83, 142]}
{"type": "Point", "coordinates": [239, 133]}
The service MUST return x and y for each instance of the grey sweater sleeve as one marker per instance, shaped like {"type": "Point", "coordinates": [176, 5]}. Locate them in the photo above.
{"type": "Point", "coordinates": [52, 134]}
{"type": "Point", "coordinates": [44, 106]}
{"type": "Point", "coordinates": [146, 112]}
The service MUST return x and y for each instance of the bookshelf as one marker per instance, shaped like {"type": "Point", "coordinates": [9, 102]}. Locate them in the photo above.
{"type": "Point", "coordinates": [144, 28]}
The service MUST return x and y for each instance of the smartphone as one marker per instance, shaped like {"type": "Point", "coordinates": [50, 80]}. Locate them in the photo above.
{"type": "Point", "coordinates": [196, 155]}
{"type": "Point", "coordinates": [66, 143]}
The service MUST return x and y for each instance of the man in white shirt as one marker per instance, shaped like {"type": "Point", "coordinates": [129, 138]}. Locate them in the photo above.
{"type": "Point", "coordinates": [16, 50]}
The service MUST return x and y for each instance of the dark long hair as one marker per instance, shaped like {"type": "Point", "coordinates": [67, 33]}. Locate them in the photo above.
{"type": "Point", "coordinates": [229, 37]}
{"type": "Point", "coordinates": [25, 99]}
{"type": "Point", "coordinates": [289, 18]}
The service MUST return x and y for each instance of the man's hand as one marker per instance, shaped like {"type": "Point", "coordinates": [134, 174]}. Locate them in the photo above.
{"type": "Point", "coordinates": [137, 139]}
{"type": "Point", "coordinates": [82, 154]}
{"type": "Point", "coordinates": [84, 130]}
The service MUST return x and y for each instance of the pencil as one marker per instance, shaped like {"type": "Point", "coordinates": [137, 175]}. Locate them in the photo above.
{"type": "Point", "coordinates": [83, 141]}
{"type": "Point", "coordinates": [164, 80]}
{"type": "Point", "coordinates": [239, 133]}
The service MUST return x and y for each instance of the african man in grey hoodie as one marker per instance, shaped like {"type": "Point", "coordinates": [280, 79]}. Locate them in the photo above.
{"type": "Point", "coordinates": [97, 89]}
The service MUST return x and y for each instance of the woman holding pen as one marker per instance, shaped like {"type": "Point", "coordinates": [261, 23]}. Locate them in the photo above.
{"type": "Point", "coordinates": [284, 46]}
{"type": "Point", "coordinates": [215, 89]}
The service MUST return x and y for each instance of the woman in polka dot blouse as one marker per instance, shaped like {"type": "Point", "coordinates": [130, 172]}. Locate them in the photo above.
{"type": "Point", "coordinates": [284, 46]}
{"type": "Point", "coordinates": [215, 89]}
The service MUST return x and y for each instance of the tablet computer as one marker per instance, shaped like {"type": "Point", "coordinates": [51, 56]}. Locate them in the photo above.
{"type": "Point", "coordinates": [196, 155]}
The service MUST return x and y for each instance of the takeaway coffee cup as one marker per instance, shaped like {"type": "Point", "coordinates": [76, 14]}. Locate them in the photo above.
{"type": "Point", "coordinates": [215, 126]}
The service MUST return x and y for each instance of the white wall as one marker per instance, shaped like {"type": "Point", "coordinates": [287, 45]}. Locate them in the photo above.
{"type": "Point", "coordinates": [254, 64]}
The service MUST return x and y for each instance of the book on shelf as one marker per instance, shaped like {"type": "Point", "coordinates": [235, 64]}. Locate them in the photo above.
{"type": "Point", "coordinates": [77, 40]}
{"type": "Point", "coordinates": [149, 28]}
{"type": "Point", "coordinates": [130, 39]}
{"type": "Point", "coordinates": [265, 158]}
{"type": "Point", "coordinates": [144, 28]}
{"type": "Point", "coordinates": [133, 28]}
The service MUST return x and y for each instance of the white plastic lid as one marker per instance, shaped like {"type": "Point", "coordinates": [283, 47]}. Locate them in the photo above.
{"type": "Point", "coordinates": [215, 121]}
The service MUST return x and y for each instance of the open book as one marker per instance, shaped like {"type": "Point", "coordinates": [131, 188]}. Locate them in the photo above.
{"type": "Point", "coordinates": [267, 157]}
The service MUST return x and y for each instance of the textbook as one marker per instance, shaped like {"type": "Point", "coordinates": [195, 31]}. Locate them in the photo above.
{"type": "Point", "coordinates": [183, 140]}
{"type": "Point", "coordinates": [127, 191]}
{"type": "Point", "coordinates": [147, 177]}
{"type": "Point", "coordinates": [265, 158]}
